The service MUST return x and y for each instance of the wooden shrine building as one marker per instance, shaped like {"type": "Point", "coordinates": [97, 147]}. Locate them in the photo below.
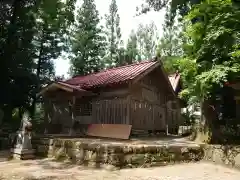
{"type": "Point", "coordinates": [139, 94]}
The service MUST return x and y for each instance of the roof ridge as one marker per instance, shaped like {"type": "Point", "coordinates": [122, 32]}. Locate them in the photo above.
{"type": "Point", "coordinates": [136, 63]}
{"type": "Point", "coordinates": [113, 68]}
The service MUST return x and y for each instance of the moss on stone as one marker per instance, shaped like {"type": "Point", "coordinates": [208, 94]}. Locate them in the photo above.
{"type": "Point", "coordinates": [122, 156]}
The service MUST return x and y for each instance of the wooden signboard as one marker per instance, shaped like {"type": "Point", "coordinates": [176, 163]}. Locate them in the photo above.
{"type": "Point", "coordinates": [118, 131]}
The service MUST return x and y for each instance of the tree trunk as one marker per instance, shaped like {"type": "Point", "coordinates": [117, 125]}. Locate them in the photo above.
{"type": "Point", "coordinates": [32, 108]}
{"type": "Point", "coordinates": [39, 63]}
{"type": "Point", "coordinates": [10, 45]}
{"type": "Point", "coordinates": [208, 127]}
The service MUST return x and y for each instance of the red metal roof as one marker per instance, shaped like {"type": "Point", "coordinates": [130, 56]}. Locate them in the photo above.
{"type": "Point", "coordinates": [111, 76]}
{"type": "Point", "coordinates": [174, 80]}
{"type": "Point", "coordinates": [62, 85]}
{"type": "Point", "coordinates": [71, 86]}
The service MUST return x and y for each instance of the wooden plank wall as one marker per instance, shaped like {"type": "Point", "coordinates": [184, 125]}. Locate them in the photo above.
{"type": "Point", "coordinates": [147, 116]}
{"type": "Point", "coordinates": [173, 120]}
{"type": "Point", "coordinates": [153, 91]}
{"type": "Point", "coordinates": [111, 111]}
{"type": "Point", "coordinates": [57, 116]}
{"type": "Point", "coordinates": [148, 104]}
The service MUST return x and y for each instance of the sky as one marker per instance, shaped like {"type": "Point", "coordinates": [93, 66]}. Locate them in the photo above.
{"type": "Point", "coordinates": [128, 21]}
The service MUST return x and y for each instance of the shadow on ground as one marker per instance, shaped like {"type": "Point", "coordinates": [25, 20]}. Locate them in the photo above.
{"type": "Point", "coordinates": [29, 178]}
{"type": "Point", "coordinates": [50, 164]}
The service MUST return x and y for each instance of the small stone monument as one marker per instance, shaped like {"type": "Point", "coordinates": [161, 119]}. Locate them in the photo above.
{"type": "Point", "coordinates": [23, 147]}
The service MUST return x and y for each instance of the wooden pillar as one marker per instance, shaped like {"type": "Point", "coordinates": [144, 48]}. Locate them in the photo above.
{"type": "Point", "coordinates": [72, 113]}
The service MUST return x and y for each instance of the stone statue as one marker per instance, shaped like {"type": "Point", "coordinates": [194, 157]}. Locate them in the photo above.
{"type": "Point", "coordinates": [23, 145]}
{"type": "Point", "coordinates": [24, 134]}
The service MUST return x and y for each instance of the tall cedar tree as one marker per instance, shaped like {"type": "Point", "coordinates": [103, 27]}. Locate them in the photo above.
{"type": "Point", "coordinates": [113, 34]}
{"type": "Point", "coordinates": [214, 45]}
{"type": "Point", "coordinates": [122, 55]}
{"type": "Point", "coordinates": [17, 22]}
{"type": "Point", "coordinates": [181, 6]}
{"type": "Point", "coordinates": [129, 54]}
{"type": "Point", "coordinates": [87, 44]}
{"type": "Point", "coordinates": [147, 40]}
{"type": "Point", "coordinates": [170, 48]}
{"type": "Point", "coordinates": [52, 21]}
{"type": "Point", "coordinates": [25, 52]}
{"type": "Point", "coordinates": [132, 49]}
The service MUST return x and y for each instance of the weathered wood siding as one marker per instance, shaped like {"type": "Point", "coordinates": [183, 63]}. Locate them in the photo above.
{"type": "Point", "coordinates": [111, 111]}
{"type": "Point", "coordinates": [82, 110]}
{"type": "Point", "coordinates": [57, 116]}
{"type": "Point", "coordinates": [149, 99]}
{"type": "Point", "coordinates": [143, 105]}
{"type": "Point", "coordinates": [147, 116]}
{"type": "Point", "coordinates": [148, 103]}
{"type": "Point", "coordinates": [173, 115]}
{"type": "Point", "coordinates": [62, 114]}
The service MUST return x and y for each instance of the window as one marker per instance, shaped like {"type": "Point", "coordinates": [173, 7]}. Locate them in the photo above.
{"type": "Point", "coordinates": [83, 108]}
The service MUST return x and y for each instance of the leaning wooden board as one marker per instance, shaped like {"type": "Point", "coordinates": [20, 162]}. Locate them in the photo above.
{"type": "Point", "coordinates": [118, 131]}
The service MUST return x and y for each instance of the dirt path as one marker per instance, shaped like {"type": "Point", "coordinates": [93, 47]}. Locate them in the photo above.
{"type": "Point", "coordinates": [46, 170]}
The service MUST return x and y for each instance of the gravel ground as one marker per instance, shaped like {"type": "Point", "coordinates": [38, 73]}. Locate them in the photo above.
{"type": "Point", "coordinates": [46, 169]}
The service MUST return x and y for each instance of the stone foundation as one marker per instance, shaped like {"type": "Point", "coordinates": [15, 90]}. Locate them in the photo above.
{"type": "Point", "coordinates": [22, 154]}
{"type": "Point", "coordinates": [223, 154]}
{"type": "Point", "coordinates": [119, 154]}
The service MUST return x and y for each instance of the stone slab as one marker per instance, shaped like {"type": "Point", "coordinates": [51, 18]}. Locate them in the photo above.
{"type": "Point", "coordinates": [23, 151]}
{"type": "Point", "coordinates": [23, 154]}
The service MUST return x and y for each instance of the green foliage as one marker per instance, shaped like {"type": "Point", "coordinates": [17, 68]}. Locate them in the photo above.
{"type": "Point", "coordinates": [132, 48]}
{"type": "Point", "coordinates": [188, 69]}
{"type": "Point", "coordinates": [211, 81]}
{"type": "Point", "coordinates": [181, 6]}
{"type": "Point", "coordinates": [141, 45]}
{"type": "Point", "coordinates": [170, 63]}
{"type": "Point", "coordinates": [87, 42]}
{"type": "Point", "coordinates": [50, 31]}
{"type": "Point", "coordinates": [16, 53]}
{"type": "Point", "coordinates": [210, 55]}
{"type": "Point", "coordinates": [113, 33]}
{"type": "Point", "coordinates": [170, 44]}
{"type": "Point", "coordinates": [214, 42]}
{"type": "Point", "coordinates": [130, 53]}
{"type": "Point", "coordinates": [203, 46]}
{"type": "Point", "coordinates": [147, 38]}
{"type": "Point", "coordinates": [210, 48]}
{"type": "Point", "coordinates": [32, 35]}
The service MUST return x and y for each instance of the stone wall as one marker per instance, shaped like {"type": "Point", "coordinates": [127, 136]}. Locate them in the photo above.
{"type": "Point", "coordinates": [97, 153]}
{"type": "Point", "coordinates": [223, 154]}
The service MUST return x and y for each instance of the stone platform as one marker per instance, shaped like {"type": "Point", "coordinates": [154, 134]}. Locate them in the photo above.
{"type": "Point", "coordinates": [137, 152]}
{"type": "Point", "coordinates": [22, 154]}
